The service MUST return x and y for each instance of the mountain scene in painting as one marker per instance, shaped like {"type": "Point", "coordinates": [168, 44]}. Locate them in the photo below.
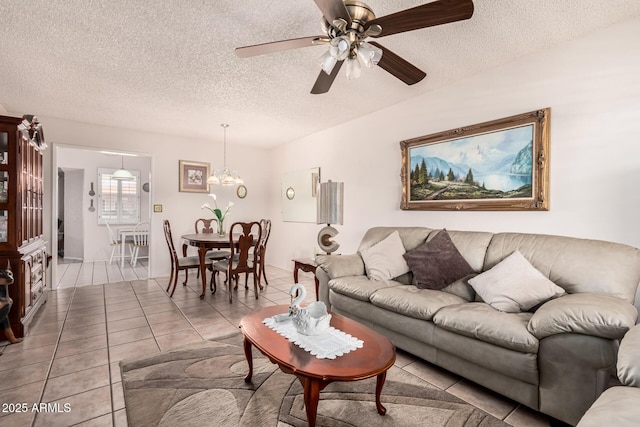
{"type": "Point", "coordinates": [496, 165]}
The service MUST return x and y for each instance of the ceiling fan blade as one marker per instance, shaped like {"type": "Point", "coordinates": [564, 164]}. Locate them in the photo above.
{"type": "Point", "coordinates": [332, 10]}
{"type": "Point", "coordinates": [427, 15]}
{"type": "Point", "coordinates": [400, 68]}
{"type": "Point", "coordinates": [272, 47]}
{"type": "Point", "coordinates": [324, 81]}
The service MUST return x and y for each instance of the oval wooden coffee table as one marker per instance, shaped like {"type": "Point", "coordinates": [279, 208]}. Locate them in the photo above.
{"type": "Point", "coordinates": [374, 359]}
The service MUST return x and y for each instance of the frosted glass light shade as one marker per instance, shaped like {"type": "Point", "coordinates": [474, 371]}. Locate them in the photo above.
{"type": "Point", "coordinates": [122, 175]}
{"type": "Point", "coordinates": [328, 61]}
{"type": "Point", "coordinates": [353, 68]}
{"type": "Point", "coordinates": [369, 54]}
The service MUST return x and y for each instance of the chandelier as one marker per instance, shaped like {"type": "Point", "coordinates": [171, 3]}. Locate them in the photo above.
{"type": "Point", "coordinates": [226, 176]}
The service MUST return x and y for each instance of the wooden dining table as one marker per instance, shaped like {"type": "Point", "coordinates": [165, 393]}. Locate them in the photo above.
{"type": "Point", "coordinates": [205, 242]}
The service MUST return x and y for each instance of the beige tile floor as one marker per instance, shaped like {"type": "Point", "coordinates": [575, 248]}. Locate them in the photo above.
{"type": "Point", "coordinates": [70, 358]}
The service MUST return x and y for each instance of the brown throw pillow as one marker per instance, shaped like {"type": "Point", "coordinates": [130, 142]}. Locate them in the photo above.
{"type": "Point", "coordinates": [437, 263]}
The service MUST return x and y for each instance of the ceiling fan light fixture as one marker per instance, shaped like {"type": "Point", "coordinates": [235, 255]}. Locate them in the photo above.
{"type": "Point", "coordinates": [340, 47]}
{"type": "Point", "coordinates": [369, 54]}
{"type": "Point", "coordinates": [328, 61]}
{"type": "Point", "coordinates": [353, 68]}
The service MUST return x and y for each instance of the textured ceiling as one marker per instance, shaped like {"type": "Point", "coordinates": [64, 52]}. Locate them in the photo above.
{"type": "Point", "coordinates": [169, 66]}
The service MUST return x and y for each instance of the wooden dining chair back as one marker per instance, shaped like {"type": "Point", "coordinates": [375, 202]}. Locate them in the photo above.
{"type": "Point", "coordinates": [177, 263]}
{"type": "Point", "coordinates": [262, 249]}
{"type": "Point", "coordinates": [203, 225]}
{"type": "Point", "coordinates": [244, 240]}
{"type": "Point", "coordinates": [140, 241]}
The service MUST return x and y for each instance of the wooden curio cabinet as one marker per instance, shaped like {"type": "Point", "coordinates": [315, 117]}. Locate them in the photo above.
{"type": "Point", "coordinates": [22, 248]}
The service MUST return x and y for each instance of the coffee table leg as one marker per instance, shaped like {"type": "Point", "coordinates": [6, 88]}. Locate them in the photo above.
{"type": "Point", "coordinates": [247, 353]}
{"type": "Point", "coordinates": [379, 384]}
{"type": "Point", "coordinates": [311, 397]}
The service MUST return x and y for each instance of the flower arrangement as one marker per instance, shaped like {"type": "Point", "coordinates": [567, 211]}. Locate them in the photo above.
{"type": "Point", "coordinates": [218, 212]}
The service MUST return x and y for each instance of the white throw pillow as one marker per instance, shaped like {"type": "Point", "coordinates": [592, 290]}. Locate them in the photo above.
{"type": "Point", "coordinates": [514, 285]}
{"type": "Point", "coordinates": [384, 260]}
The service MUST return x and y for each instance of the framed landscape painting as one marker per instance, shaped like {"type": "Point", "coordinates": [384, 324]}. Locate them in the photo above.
{"type": "Point", "coordinates": [497, 165]}
{"type": "Point", "coordinates": [193, 177]}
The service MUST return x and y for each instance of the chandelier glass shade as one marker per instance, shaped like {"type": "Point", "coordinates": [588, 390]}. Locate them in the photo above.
{"type": "Point", "coordinates": [226, 176]}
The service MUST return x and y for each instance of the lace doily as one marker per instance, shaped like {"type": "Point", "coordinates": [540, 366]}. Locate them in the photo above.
{"type": "Point", "coordinates": [328, 345]}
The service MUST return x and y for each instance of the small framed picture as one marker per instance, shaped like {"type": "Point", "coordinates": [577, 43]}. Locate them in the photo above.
{"type": "Point", "coordinates": [193, 177]}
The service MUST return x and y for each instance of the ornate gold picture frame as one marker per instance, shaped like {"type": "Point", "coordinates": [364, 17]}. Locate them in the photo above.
{"type": "Point", "coordinates": [497, 165]}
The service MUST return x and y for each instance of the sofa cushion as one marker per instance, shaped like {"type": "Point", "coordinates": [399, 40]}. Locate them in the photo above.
{"type": "Point", "coordinates": [462, 288]}
{"type": "Point", "coordinates": [480, 321]}
{"type": "Point", "coordinates": [585, 313]}
{"type": "Point", "coordinates": [617, 406]}
{"type": "Point", "coordinates": [359, 287]}
{"type": "Point", "coordinates": [514, 285]}
{"type": "Point", "coordinates": [437, 263]}
{"type": "Point", "coordinates": [577, 265]}
{"type": "Point", "coordinates": [629, 358]}
{"type": "Point", "coordinates": [341, 265]}
{"type": "Point", "coordinates": [411, 237]}
{"type": "Point", "coordinates": [413, 302]}
{"type": "Point", "coordinates": [384, 260]}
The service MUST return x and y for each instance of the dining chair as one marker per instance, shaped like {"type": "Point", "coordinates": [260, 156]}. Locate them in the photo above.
{"type": "Point", "coordinates": [244, 256]}
{"type": "Point", "coordinates": [140, 240]}
{"type": "Point", "coordinates": [203, 225]}
{"type": "Point", "coordinates": [178, 263]}
{"type": "Point", "coordinates": [262, 249]}
{"type": "Point", "coordinates": [115, 243]}
{"type": "Point", "coordinates": [206, 225]}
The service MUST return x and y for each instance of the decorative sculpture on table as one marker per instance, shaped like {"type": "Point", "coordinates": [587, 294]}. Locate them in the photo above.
{"type": "Point", "coordinates": [310, 320]}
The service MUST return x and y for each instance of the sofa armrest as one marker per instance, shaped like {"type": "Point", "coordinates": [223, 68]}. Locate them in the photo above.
{"type": "Point", "coordinates": [341, 265]}
{"type": "Point", "coordinates": [629, 358]}
{"type": "Point", "coordinates": [584, 313]}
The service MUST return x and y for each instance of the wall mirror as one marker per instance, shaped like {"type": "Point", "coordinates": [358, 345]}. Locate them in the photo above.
{"type": "Point", "coordinates": [298, 195]}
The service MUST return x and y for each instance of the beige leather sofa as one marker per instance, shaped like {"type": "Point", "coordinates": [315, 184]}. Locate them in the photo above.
{"type": "Point", "coordinates": [620, 406]}
{"type": "Point", "coordinates": [556, 359]}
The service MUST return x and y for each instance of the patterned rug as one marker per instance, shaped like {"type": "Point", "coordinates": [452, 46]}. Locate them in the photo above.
{"type": "Point", "coordinates": [203, 385]}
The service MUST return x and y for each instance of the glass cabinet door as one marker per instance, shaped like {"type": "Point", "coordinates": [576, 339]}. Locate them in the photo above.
{"type": "Point", "coordinates": [4, 148]}
{"type": "Point", "coordinates": [3, 225]}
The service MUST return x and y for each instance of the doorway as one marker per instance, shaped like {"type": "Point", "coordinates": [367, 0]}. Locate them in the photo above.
{"type": "Point", "coordinates": [82, 236]}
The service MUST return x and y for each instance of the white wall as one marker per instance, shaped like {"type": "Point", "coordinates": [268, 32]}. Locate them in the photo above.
{"type": "Point", "coordinates": [593, 88]}
{"type": "Point", "coordinates": [74, 236]}
{"type": "Point", "coordinates": [180, 208]}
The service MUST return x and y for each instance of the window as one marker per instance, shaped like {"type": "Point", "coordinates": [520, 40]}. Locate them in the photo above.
{"type": "Point", "coordinates": [118, 201]}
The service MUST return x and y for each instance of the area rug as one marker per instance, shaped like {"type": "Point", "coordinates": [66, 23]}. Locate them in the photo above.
{"type": "Point", "coordinates": [203, 385]}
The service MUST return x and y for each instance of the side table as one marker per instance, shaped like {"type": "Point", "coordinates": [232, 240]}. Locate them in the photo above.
{"type": "Point", "coordinates": [307, 265]}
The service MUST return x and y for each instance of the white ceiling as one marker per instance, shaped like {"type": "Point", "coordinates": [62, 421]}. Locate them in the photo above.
{"type": "Point", "coordinates": [170, 67]}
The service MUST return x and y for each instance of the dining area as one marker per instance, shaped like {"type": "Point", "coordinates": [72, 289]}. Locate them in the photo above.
{"type": "Point", "coordinates": [220, 254]}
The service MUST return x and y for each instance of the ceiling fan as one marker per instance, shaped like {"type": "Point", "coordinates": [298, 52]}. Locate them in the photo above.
{"type": "Point", "coordinates": [348, 23]}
